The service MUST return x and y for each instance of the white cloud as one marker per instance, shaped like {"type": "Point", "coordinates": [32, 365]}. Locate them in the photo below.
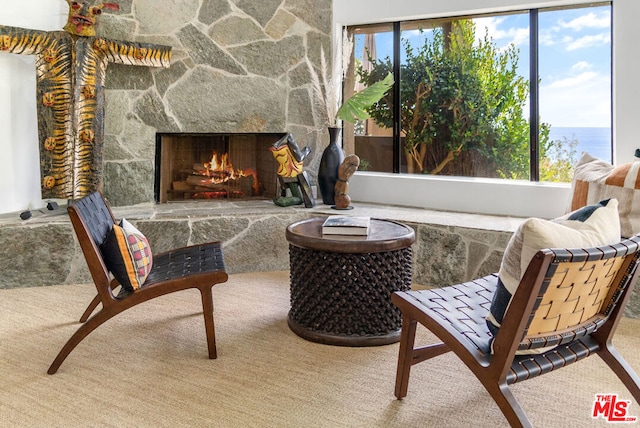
{"type": "Point", "coordinates": [519, 36]}
{"type": "Point", "coordinates": [546, 38]}
{"type": "Point", "coordinates": [590, 20]}
{"type": "Point", "coordinates": [578, 101]}
{"type": "Point", "coordinates": [515, 35]}
{"type": "Point", "coordinates": [581, 65]}
{"type": "Point", "coordinates": [491, 24]}
{"type": "Point", "coordinates": [589, 41]}
{"type": "Point", "coordinates": [557, 34]}
{"type": "Point", "coordinates": [574, 81]}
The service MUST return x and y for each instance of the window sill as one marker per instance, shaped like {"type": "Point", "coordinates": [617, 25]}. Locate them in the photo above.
{"type": "Point", "coordinates": [461, 194]}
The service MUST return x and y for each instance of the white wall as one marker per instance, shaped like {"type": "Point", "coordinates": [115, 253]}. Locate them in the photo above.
{"type": "Point", "coordinates": [19, 152]}
{"type": "Point", "coordinates": [491, 196]}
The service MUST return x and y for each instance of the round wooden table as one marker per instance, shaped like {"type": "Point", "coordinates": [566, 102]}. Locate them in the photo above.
{"type": "Point", "coordinates": [341, 285]}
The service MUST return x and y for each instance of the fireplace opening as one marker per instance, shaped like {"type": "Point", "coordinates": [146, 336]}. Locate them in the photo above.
{"type": "Point", "coordinates": [215, 166]}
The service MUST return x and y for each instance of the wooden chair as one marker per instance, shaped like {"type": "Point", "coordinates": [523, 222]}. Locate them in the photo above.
{"type": "Point", "coordinates": [198, 266]}
{"type": "Point", "coordinates": [456, 315]}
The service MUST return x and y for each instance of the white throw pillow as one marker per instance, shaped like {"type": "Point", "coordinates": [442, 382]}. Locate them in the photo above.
{"type": "Point", "coordinates": [590, 226]}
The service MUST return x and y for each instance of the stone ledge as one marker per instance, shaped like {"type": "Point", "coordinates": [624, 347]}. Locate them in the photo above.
{"type": "Point", "coordinates": [450, 247]}
{"type": "Point", "coordinates": [205, 209]}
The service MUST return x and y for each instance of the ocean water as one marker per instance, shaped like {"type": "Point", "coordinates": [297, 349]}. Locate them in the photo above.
{"type": "Point", "coordinates": [595, 141]}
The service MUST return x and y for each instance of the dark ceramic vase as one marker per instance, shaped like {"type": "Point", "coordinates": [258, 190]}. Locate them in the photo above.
{"type": "Point", "coordinates": [330, 162]}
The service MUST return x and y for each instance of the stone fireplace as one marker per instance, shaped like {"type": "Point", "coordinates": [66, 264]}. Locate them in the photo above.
{"type": "Point", "coordinates": [238, 68]}
{"type": "Point", "coordinates": [215, 166]}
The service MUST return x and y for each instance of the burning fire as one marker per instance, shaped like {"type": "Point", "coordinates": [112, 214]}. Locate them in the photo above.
{"type": "Point", "coordinates": [221, 170]}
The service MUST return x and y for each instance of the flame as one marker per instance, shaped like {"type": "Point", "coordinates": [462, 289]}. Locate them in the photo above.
{"type": "Point", "coordinates": [221, 170]}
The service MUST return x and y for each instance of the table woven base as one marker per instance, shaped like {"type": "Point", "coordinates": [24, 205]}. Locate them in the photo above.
{"type": "Point", "coordinates": [345, 298]}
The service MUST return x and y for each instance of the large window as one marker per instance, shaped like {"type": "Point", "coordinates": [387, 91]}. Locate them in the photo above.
{"type": "Point", "coordinates": [514, 95]}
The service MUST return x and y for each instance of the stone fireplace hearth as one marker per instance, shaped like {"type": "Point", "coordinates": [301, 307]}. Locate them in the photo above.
{"type": "Point", "coordinates": [238, 68]}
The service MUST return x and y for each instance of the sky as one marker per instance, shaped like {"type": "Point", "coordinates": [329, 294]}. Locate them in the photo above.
{"type": "Point", "coordinates": [574, 60]}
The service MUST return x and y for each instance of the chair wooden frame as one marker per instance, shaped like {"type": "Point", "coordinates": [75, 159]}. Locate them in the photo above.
{"type": "Point", "coordinates": [456, 315]}
{"type": "Point", "coordinates": [198, 266]}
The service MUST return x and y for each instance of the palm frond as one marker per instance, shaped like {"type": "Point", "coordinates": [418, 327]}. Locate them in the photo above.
{"type": "Point", "coordinates": [356, 106]}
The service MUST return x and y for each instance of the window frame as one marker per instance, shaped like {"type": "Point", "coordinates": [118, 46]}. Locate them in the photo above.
{"type": "Point", "coordinates": [533, 78]}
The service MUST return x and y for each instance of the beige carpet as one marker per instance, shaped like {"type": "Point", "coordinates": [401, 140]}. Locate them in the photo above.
{"type": "Point", "coordinates": [148, 368]}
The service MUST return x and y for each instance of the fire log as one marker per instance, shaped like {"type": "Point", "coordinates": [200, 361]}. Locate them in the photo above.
{"type": "Point", "coordinates": [181, 186]}
{"type": "Point", "coordinates": [197, 180]}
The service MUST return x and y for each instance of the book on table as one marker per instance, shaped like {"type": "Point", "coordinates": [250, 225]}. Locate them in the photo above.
{"type": "Point", "coordinates": [346, 225]}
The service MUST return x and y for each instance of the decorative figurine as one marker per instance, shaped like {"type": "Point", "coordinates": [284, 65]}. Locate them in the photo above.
{"type": "Point", "coordinates": [347, 168]}
{"type": "Point", "coordinates": [290, 174]}
{"type": "Point", "coordinates": [70, 73]}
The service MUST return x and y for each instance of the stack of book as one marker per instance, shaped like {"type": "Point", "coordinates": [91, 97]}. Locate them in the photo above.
{"type": "Point", "coordinates": [346, 225]}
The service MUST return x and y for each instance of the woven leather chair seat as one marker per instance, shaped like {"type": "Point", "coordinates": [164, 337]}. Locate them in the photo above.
{"type": "Point", "coordinates": [465, 307]}
{"type": "Point", "coordinates": [186, 262]}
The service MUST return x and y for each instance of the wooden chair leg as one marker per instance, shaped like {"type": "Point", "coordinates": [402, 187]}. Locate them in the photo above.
{"type": "Point", "coordinates": [622, 369]}
{"type": "Point", "coordinates": [77, 337]}
{"type": "Point", "coordinates": [509, 405]}
{"type": "Point", "coordinates": [92, 306]}
{"type": "Point", "coordinates": [207, 311]}
{"type": "Point", "coordinates": [405, 356]}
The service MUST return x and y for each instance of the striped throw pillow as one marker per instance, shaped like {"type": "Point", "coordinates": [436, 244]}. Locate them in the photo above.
{"type": "Point", "coordinates": [595, 180]}
{"type": "Point", "coordinates": [127, 255]}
